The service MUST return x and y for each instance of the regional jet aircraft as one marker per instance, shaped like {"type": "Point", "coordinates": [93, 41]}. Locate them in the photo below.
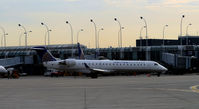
{"type": "Point", "coordinates": [95, 67]}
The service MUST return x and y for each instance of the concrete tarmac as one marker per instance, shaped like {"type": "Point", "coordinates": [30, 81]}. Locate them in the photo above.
{"type": "Point", "coordinates": [114, 92]}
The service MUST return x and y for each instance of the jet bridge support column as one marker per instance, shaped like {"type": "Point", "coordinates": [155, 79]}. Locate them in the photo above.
{"type": "Point", "coordinates": [148, 53]}
{"type": "Point", "coordinates": [61, 54]}
{"type": "Point", "coordinates": [109, 54]}
{"type": "Point", "coordinates": [134, 55]}
{"type": "Point", "coordinates": [121, 53]}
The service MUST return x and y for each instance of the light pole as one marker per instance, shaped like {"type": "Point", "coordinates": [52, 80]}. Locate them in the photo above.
{"type": "Point", "coordinates": [2, 40]}
{"type": "Point", "coordinates": [78, 34]}
{"type": "Point", "coordinates": [47, 32]}
{"type": "Point", "coordinates": [98, 36]}
{"type": "Point", "coordinates": [95, 32]}
{"type": "Point", "coordinates": [24, 33]}
{"type": "Point", "coordinates": [146, 30]}
{"type": "Point", "coordinates": [120, 31]}
{"type": "Point", "coordinates": [187, 33]}
{"type": "Point", "coordinates": [21, 36]}
{"type": "Point", "coordinates": [181, 29]}
{"type": "Point", "coordinates": [141, 34]}
{"type": "Point", "coordinates": [71, 36]}
{"type": "Point", "coordinates": [181, 33]}
{"type": "Point", "coordinates": [187, 29]}
{"type": "Point", "coordinates": [163, 34]}
{"type": "Point", "coordinates": [147, 53]}
{"type": "Point", "coordinates": [181, 25]}
{"type": "Point", "coordinates": [4, 35]}
{"type": "Point", "coordinates": [45, 36]}
{"type": "Point", "coordinates": [119, 37]}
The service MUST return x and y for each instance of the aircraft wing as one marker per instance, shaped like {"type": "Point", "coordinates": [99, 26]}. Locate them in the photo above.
{"type": "Point", "coordinates": [97, 70]}
{"type": "Point", "coordinates": [101, 70]}
{"type": "Point", "coordinates": [62, 62]}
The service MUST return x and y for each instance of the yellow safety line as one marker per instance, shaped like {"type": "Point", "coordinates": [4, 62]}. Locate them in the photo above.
{"type": "Point", "coordinates": [195, 88]}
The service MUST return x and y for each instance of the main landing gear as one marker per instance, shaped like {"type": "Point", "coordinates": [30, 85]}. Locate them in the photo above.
{"type": "Point", "coordinates": [94, 75]}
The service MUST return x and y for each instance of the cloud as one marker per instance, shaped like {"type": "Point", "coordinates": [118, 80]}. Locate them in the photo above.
{"type": "Point", "coordinates": [181, 4]}
{"type": "Point", "coordinates": [151, 3]}
{"type": "Point", "coordinates": [71, 0]}
{"type": "Point", "coordinates": [175, 2]}
{"type": "Point", "coordinates": [119, 3]}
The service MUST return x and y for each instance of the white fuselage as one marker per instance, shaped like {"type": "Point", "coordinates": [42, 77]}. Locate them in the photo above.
{"type": "Point", "coordinates": [75, 65]}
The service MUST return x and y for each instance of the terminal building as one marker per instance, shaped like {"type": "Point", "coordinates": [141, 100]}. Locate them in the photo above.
{"type": "Point", "coordinates": [172, 54]}
{"type": "Point", "coordinates": [182, 40]}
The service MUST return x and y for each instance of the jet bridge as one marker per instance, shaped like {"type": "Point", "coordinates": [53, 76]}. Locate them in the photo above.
{"type": "Point", "coordinates": [7, 62]}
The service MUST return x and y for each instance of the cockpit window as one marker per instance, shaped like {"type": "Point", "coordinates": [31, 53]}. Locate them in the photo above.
{"type": "Point", "coordinates": [155, 64]}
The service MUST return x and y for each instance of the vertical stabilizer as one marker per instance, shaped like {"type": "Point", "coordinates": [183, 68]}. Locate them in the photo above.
{"type": "Point", "coordinates": [80, 52]}
{"type": "Point", "coordinates": [44, 54]}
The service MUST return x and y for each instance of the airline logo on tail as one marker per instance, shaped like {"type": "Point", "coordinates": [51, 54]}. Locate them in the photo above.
{"type": "Point", "coordinates": [48, 57]}
{"type": "Point", "coordinates": [44, 54]}
{"type": "Point", "coordinates": [80, 52]}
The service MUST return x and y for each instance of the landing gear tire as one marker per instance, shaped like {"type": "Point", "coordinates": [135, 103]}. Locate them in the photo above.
{"type": "Point", "coordinates": [94, 75]}
{"type": "Point", "coordinates": [158, 74]}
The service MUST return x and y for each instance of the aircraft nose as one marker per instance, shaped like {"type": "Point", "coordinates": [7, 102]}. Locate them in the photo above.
{"type": "Point", "coordinates": [3, 70]}
{"type": "Point", "coordinates": [164, 69]}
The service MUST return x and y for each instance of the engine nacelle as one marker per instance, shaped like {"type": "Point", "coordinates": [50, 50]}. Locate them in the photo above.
{"type": "Point", "coordinates": [68, 62]}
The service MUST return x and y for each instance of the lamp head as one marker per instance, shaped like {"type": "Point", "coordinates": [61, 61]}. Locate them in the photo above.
{"type": "Point", "coordinates": [19, 24]}
{"type": "Point", "coordinates": [183, 16]}
{"type": "Point", "coordinates": [42, 23]}
{"type": "Point", "coordinates": [115, 19]}
{"type": "Point", "coordinates": [141, 17]}
{"type": "Point", "coordinates": [67, 22]}
{"type": "Point", "coordinates": [91, 20]}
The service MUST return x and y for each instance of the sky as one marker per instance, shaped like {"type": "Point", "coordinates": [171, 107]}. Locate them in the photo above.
{"type": "Point", "coordinates": [54, 13]}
